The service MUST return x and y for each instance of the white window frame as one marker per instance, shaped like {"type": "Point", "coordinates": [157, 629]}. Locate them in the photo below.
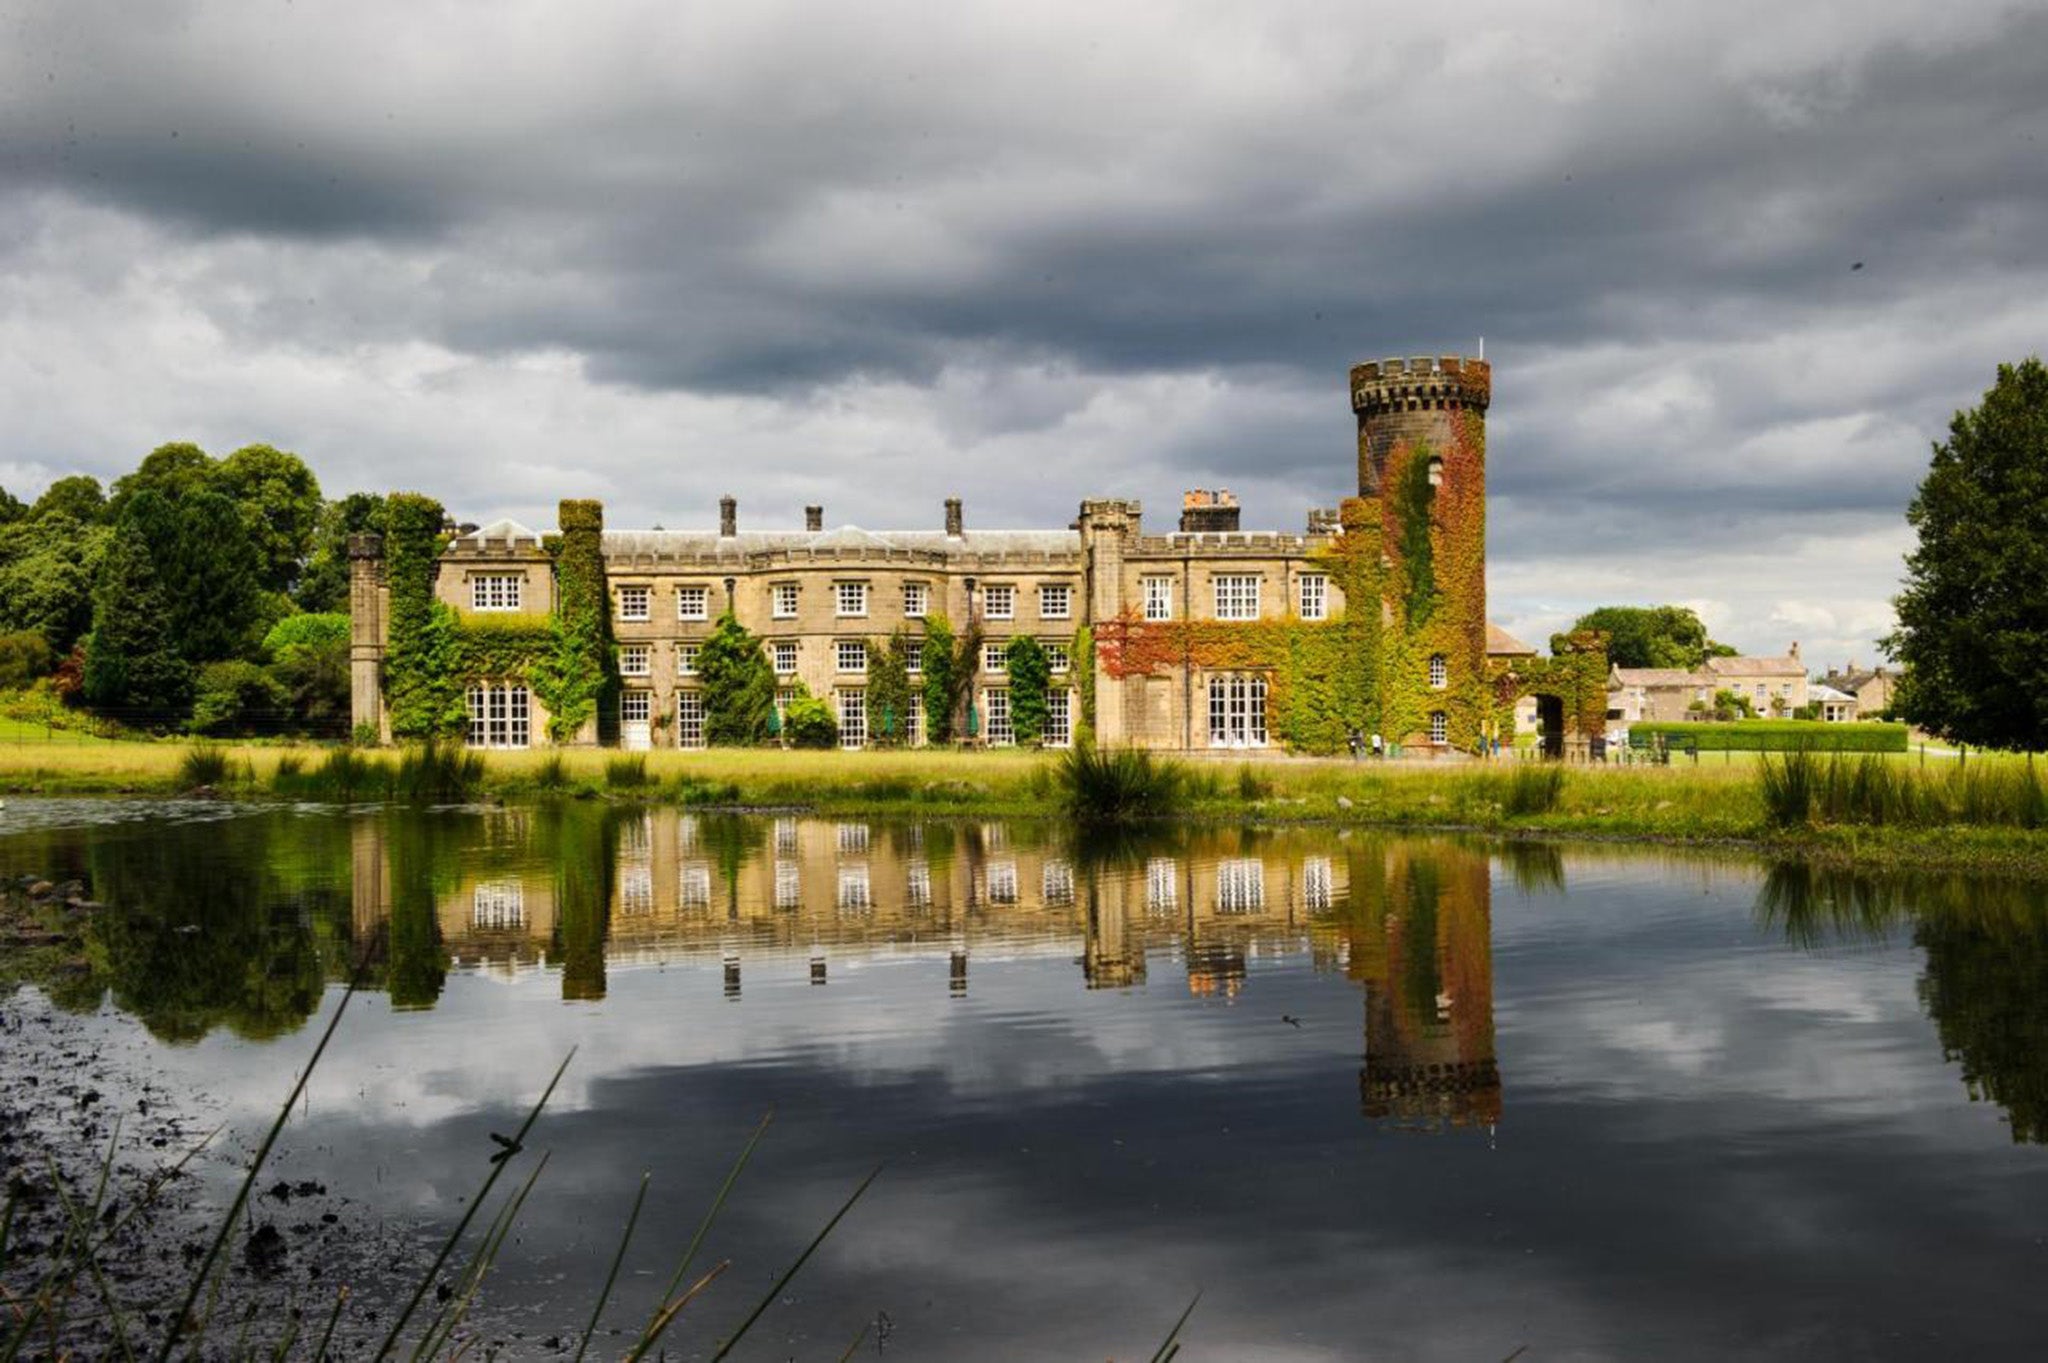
{"type": "Point", "coordinates": [783, 652]}
{"type": "Point", "coordinates": [913, 656]}
{"type": "Point", "coordinates": [1058, 662]}
{"type": "Point", "coordinates": [917, 885]}
{"type": "Point", "coordinates": [1240, 885]}
{"type": "Point", "coordinates": [853, 717]}
{"type": "Point", "coordinates": [856, 893]}
{"type": "Point", "coordinates": [850, 600]}
{"type": "Point", "coordinates": [497, 904]}
{"type": "Point", "coordinates": [1315, 596]}
{"type": "Point", "coordinates": [1059, 717]}
{"type": "Point", "coordinates": [685, 595]}
{"type": "Point", "coordinates": [782, 600]}
{"type": "Point", "coordinates": [500, 715]}
{"type": "Point", "coordinates": [1439, 672]}
{"type": "Point", "coordinates": [1318, 883]}
{"type": "Point", "coordinates": [693, 887]}
{"type": "Point", "coordinates": [789, 885]}
{"type": "Point", "coordinates": [999, 602]}
{"type": "Point", "coordinates": [1237, 710]}
{"type": "Point", "coordinates": [1439, 727]}
{"type": "Point", "coordinates": [636, 707]}
{"type": "Point", "coordinates": [636, 603]}
{"type": "Point", "coordinates": [1237, 595]}
{"type": "Point", "coordinates": [1056, 882]}
{"type": "Point", "coordinates": [1001, 881]}
{"type": "Point", "coordinates": [1050, 593]}
{"type": "Point", "coordinates": [1158, 598]}
{"type": "Point", "coordinates": [636, 660]}
{"type": "Point", "coordinates": [913, 723]}
{"type": "Point", "coordinates": [995, 658]}
{"type": "Point", "coordinates": [686, 659]}
{"type": "Point", "coordinates": [1162, 885]}
{"type": "Point", "coordinates": [689, 719]}
{"type": "Point", "coordinates": [998, 729]}
{"type": "Point", "coordinates": [850, 656]}
{"type": "Point", "coordinates": [497, 591]}
{"type": "Point", "coordinates": [917, 600]}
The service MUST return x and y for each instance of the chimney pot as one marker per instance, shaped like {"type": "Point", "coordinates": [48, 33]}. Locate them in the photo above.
{"type": "Point", "coordinates": [728, 517]}
{"type": "Point", "coordinates": [814, 518]}
{"type": "Point", "coordinates": [955, 523]}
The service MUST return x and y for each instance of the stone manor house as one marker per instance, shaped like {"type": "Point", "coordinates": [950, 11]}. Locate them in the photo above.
{"type": "Point", "coordinates": [1190, 626]}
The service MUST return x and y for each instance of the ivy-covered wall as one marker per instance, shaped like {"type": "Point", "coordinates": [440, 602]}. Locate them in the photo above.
{"type": "Point", "coordinates": [423, 654]}
{"type": "Point", "coordinates": [575, 676]}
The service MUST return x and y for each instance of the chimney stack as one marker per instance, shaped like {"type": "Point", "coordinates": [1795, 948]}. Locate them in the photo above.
{"type": "Point", "coordinates": [1203, 509]}
{"type": "Point", "coordinates": [814, 518]}
{"type": "Point", "coordinates": [954, 523]}
{"type": "Point", "coordinates": [728, 517]}
{"type": "Point", "coordinates": [1793, 652]}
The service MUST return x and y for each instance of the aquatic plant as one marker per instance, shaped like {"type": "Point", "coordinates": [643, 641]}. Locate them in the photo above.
{"type": "Point", "coordinates": [627, 773]}
{"type": "Point", "coordinates": [437, 772]}
{"type": "Point", "coordinates": [204, 764]}
{"type": "Point", "coordinates": [1119, 785]}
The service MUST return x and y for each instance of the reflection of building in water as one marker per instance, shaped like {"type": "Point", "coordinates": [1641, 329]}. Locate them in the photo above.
{"type": "Point", "coordinates": [1418, 931]}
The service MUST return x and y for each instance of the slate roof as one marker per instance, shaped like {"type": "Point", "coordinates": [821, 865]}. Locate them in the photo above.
{"type": "Point", "coordinates": [1500, 643]}
{"type": "Point", "coordinates": [502, 531]}
{"type": "Point", "coordinates": [1756, 667]}
{"type": "Point", "coordinates": [845, 539]}
{"type": "Point", "coordinates": [1658, 678]}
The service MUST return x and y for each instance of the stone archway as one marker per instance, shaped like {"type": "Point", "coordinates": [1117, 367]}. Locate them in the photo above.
{"type": "Point", "coordinates": [1550, 726]}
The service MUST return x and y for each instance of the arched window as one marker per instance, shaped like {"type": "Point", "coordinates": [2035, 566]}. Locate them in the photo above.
{"type": "Point", "coordinates": [1439, 671]}
{"type": "Point", "coordinates": [1436, 471]}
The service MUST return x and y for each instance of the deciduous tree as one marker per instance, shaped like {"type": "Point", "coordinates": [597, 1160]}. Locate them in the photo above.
{"type": "Point", "coordinates": [1973, 619]}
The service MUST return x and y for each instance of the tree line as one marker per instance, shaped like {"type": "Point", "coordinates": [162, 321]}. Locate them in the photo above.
{"type": "Point", "coordinates": [209, 592]}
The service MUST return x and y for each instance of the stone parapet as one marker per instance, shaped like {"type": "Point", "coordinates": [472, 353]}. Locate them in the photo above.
{"type": "Point", "coordinates": [1422, 384]}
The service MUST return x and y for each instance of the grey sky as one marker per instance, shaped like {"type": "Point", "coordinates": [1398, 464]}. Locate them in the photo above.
{"type": "Point", "coordinates": [873, 255]}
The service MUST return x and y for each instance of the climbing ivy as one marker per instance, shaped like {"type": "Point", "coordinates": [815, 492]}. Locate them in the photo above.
{"type": "Point", "coordinates": [423, 655]}
{"type": "Point", "coordinates": [576, 675]}
{"type": "Point", "coordinates": [1029, 671]}
{"type": "Point", "coordinates": [888, 691]}
{"type": "Point", "coordinates": [1084, 673]}
{"type": "Point", "coordinates": [738, 682]}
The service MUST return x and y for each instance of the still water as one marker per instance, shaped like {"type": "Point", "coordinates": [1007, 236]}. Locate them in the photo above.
{"type": "Point", "coordinates": [1372, 1097]}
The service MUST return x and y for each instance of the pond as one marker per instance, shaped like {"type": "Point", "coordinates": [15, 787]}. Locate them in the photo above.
{"type": "Point", "coordinates": [1370, 1096]}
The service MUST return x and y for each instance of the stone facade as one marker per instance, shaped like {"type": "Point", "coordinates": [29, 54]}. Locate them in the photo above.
{"type": "Point", "coordinates": [821, 599]}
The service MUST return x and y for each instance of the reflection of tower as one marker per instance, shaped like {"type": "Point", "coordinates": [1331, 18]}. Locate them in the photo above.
{"type": "Point", "coordinates": [1109, 961]}
{"type": "Point", "coordinates": [1420, 925]}
{"type": "Point", "coordinates": [369, 881]}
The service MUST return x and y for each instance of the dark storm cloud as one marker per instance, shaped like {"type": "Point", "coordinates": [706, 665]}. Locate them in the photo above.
{"type": "Point", "coordinates": [770, 206]}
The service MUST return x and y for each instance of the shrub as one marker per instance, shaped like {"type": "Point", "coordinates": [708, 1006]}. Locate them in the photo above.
{"type": "Point", "coordinates": [25, 657]}
{"type": "Point", "coordinates": [348, 775]}
{"type": "Point", "coordinates": [807, 722]}
{"type": "Point", "coordinates": [552, 773]}
{"type": "Point", "coordinates": [1788, 785]}
{"type": "Point", "coordinates": [236, 695]}
{"type": "Point", "coordinates": [321, 630]}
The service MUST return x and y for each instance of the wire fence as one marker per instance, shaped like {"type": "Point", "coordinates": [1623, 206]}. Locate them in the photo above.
{"type": "Point", "coordinates": [60, 726]}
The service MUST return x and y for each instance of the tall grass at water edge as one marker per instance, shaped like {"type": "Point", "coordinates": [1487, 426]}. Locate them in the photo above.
{"type": "Point", "coordinates": [1803, 789]}
{"type": "Point", "coordinates": [73, 1273]}
{"type": "Point", "coordinates": [1120, 785]}
{"type": "Point", "coordinates": [426, 773]}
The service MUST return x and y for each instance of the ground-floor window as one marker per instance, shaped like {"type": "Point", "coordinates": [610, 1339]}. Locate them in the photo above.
{"type": "Point", "coordinates": [689, 719]}
{"type": "Point", "coordinates": [1317, 883]}
{"type": "Point", "coordinates": [913, 725]}
{"type": "Point", "coordinates": [500, 716]}
{"type": "Point", "coordinates": [1237, 711]}
{"type": "Point", "coordinates": [1439, 726]}
{"type": "Point", "coordinates": [636, 707]}
{"type": "Point", "coordinates": [1240, 885]}
{"type": "Point", "coordinates": [853, 719]}
{"type": "Point", "coordinates": [498, 904]}
{"type": "Point", "coordinates": [1000, 732]}
{"type": "Point", "coordinates": [1059, 718]}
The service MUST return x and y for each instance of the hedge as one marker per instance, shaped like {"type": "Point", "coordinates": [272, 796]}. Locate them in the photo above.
{"type": "Point", "coordinates": [1773, 735]}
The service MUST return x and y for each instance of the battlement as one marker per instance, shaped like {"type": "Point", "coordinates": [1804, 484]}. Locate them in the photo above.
{"type": "Point", "coordinates": [1422, 383]}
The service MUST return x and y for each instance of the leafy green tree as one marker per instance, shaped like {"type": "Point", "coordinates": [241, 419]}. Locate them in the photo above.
{"type": "Point", "coordinates": [1973, 619]}
{"type": "Point", "coordinates": [1029, 671]}
{"type": "Point", "coordinates": [324, 584]}
{"type": "Point", "coordinates": [279, 500]}
{"type": "Point", "coordinates": [950, 662]}
{"type": "Point", "coordinates": [739, 684]}
{"type": "Point", "coordinates": [422, 649]}
{"type": "Point", "coordinates": [80, 497]}
{"type": "Point", "coordinates": [12, 508]}
{"type": "Point", "coordinates": [577, 677]}
{"type": "Point", "coordinates": [47, 565]}
{"type": "Point", "coordinates": [213, 572]}
{"type": "Point", "coordinates": [1653, 636]}
{"type": "Point", "coordinates": [236, 695]}
{"type": "Point", "coordinates": [170, 471]}
{"type": "Point", "coordinates": [132, 657]}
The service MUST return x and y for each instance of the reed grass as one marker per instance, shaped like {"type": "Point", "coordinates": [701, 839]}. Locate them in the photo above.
{"type": "Point", "coordinates": [204, 764]}
{"type": "Point", "coordinates": [1119, 785]}
{"type": "Point", "coordinates": [627, 772]}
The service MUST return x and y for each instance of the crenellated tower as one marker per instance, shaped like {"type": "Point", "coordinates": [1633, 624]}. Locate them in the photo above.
{"type": "Point", "coordinates": [1430, 399]}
